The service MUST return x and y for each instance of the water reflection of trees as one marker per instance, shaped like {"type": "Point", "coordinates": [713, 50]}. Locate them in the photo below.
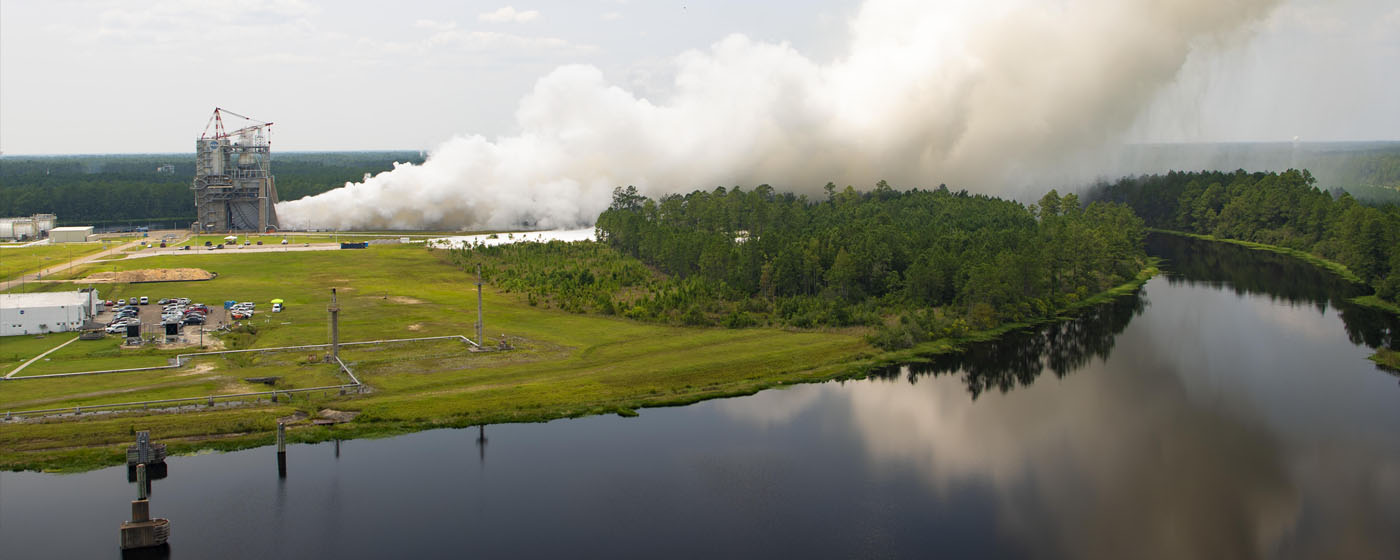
{"type": "Point", "coordinates": [1247, 271]}
{"type": "Point", "coordinates": [1017, 359]}
{"type": "Point", "coordinates": [1280, 277]}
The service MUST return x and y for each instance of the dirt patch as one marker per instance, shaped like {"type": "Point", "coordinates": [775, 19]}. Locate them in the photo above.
{"type": "Point", "coordinates": [330, 416]}
{"type": "Point", "coordinates": [297, 416]}
{"type": "Point", "coordinates": [152, 275]}
{"type": "Point", "coordinates": [189, 338]}
{"type": "Point", "coordinates": [406, 300]}
{"type": "Point", "coordinates": [416, 327]}
{"type": "Point", "coordinates": [205, 367]}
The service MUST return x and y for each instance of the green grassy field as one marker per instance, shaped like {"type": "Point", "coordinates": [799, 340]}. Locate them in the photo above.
{"type": "Point", "coordinates": [15, 350]}
{"type": "Point", "coordinates": [564, 364]}
{"type": "Point", "coordinates": [17, 261]}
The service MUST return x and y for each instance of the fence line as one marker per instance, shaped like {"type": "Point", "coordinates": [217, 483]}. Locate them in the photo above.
{"type": "Point", "coordinates": [180, 359]}
{"type": "Point", "coordinates": [359, 387]}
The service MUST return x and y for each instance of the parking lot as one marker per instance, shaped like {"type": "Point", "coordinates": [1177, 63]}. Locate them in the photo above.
{"type": "Point", "coordinates": [151, 320]}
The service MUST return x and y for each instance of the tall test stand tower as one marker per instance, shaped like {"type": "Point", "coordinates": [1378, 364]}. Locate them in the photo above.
{"type": "Point", "coordinates": [233, 185]}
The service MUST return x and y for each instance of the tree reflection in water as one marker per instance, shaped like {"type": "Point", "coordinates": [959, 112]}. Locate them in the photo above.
{"type": "Point", "coordinates": [1017, 359]}
{"type": "Point", "coordinates": [1280, 277]}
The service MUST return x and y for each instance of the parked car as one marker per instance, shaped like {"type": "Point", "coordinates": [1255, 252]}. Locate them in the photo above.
{"type": "Point", "coordinates": [145, 300]}
{"type": "Point", "coordinates": [276, 308]}
{"type": "Point", "coordinates": [284, 241]}
{"type": "Point", "coordinates": [194, 319]}
{"type": "Point", "coordinates": [121, 303]}
{"type": "Point", "coordinates": [208, 243]}
{"type": "Point", "coordinates": [109, 303]}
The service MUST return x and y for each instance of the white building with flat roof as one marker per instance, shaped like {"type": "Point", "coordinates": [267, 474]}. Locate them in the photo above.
{"type": "Point", "coordinates": [70, 234]}
{"type": "Point", "coordinates": [50, 312]}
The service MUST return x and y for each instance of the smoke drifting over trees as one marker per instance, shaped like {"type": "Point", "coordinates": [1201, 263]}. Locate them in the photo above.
{"type": "Point", "coordinates": [982, 95]}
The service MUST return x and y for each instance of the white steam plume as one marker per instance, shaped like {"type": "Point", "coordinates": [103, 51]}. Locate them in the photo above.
{"type": "Point", "coordinates": [979, 94]}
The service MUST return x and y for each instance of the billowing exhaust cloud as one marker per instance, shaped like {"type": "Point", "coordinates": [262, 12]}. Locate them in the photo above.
{"type": "Point", "coordinates": [984, 95]}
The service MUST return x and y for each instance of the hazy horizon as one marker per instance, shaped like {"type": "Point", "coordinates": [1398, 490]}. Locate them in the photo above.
{"type": "Point", "coordinates": [533, 113]}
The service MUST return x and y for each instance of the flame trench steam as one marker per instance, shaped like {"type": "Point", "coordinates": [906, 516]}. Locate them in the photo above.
{"type": "Point", "coordinates": [978, 94]}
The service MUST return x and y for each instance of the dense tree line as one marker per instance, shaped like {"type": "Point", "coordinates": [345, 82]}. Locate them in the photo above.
{"type": "Point", "coordinates": [102, 189]}
{"type": "Point", "coordinates": [1373, 168]}
{"type": "Point", "coordinates": [1285, 209]}
{"type": "Point", "coordinates": [915, 264]}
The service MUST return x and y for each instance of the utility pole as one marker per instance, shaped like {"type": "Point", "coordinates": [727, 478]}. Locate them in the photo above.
{"type": "Point", "coordinates": [479, 341]}
{"type": "Point", "coordinates": [334, 308]}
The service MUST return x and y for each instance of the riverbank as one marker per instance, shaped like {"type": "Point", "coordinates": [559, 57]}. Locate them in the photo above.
{"type": "Point", "coordinates": [1336, 267]}
{"type": "Point", "coordinates": [1387, 359]}
{"type": "Point", "coordinates": [564, 364]}
{"type": "Point", "coordinates": [1339, 269]}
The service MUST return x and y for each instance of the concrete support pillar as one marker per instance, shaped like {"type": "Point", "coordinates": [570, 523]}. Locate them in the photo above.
{"type": "Point", "coordinates": [479, 319]}
{"type": "Point", "coordinates": [334, 309]}
{"type": "Point", "coordinates": [141, 486]}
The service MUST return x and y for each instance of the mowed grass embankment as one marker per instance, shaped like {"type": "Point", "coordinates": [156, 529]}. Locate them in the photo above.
{"type": "Point", "coordinates": [202, 376]}
{"type": "Point", "coordinates": [564, 364]}
{"type": "Point", "coordinates": [18, 261]}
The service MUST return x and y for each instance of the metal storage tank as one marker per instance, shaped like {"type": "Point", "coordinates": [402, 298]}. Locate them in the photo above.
{"type": "Point", "coordinates": [24, 228]}
{"type": "Point", "coordinates": [45, 222]}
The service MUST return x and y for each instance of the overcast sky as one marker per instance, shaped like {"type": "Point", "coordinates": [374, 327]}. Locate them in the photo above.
{"type": "Point", "coordinates": [143, 76]}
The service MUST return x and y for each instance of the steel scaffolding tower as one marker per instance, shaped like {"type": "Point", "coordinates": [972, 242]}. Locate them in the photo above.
{"type": "Point", "coordinates": [233, 185]}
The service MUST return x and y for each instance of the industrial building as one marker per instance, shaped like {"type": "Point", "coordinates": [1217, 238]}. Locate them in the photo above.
{"type": "Point", "coordinates": [70, 234]}
{"type": "Point", "coordinates": [233, 185]}
{"type": "Point", "coordinates": [32, 227]}
{"type": "Point", "coordinates": [51, 312]}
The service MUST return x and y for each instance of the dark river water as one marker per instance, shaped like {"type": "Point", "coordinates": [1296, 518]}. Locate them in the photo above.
{"type": "Point", "coordinates": [1227, 411]}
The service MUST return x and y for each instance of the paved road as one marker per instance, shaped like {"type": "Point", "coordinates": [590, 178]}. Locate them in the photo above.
{"type": "Point", "coordinates": [5, 286]}
{"type": "Point", "coordinates": [173, 248]}
{"type": "Point", "coordinates": [36, 358]}
{"type": "Point", "coordinates": [199, 250]}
